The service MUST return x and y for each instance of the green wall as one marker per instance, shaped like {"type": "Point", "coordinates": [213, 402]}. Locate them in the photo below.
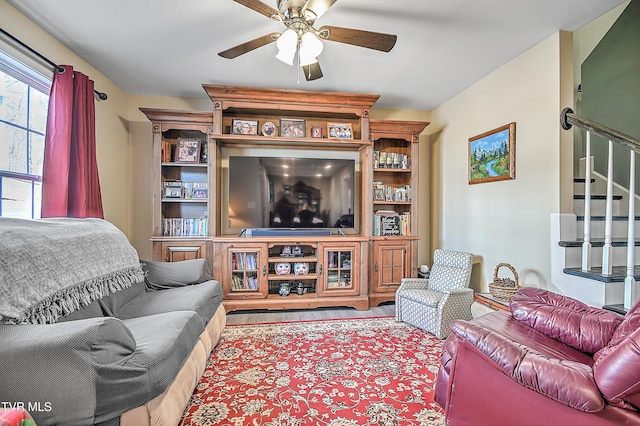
{"type": "Point", "coordinates": [611, 89]}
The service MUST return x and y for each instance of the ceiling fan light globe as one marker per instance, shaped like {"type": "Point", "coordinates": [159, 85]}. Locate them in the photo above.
{"type": "Point", "coordinates": [286, 57]}
{"type": "Point", "coordinates": [310, 45]}
{"type": "Point", "coordinates": [287, 44]}
{"type": "Point", "coordinates": [310, 48]}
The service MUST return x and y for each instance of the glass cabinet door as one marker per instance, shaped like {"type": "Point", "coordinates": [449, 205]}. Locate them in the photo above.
{"type": "Point", "coordinates": [247, 272]}
{"type": "Point", "coordinates": [340, 275]}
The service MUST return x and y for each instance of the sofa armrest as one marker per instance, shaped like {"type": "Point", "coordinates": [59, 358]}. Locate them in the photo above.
{"type": "Point", "coordinates": [574, 323]}
{"type": "Point", "coordinates": [414, 283]}
{"type": "Point", "coordinates": [78, 371]}
{"type": "Point", "coordinates": [164, 275]}
{"type": "Point", "coordinates": [568, 382]}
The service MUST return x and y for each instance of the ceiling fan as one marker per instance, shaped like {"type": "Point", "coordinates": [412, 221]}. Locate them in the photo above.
{"type": "Point", "coordinates": [301, 37]}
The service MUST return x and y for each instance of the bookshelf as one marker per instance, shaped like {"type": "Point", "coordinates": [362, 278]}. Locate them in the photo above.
{"type": "Point", "coordinates": [394, 206]}
{"type": "Point", "coordinates": [191, 219]}
{"type": "Point", "coordinates": [181, 182]}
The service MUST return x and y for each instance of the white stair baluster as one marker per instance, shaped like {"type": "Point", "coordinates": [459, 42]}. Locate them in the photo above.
{"type": "Point", "coordinates": [607, 252]}
{"type": "Point", "coordinates": [586, 245]}
{"type": "Point", "coordinates": [630, 280]}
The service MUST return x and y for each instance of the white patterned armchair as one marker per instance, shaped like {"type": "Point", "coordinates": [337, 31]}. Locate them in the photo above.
{"type": "Point", "coordinates": [432, 303]}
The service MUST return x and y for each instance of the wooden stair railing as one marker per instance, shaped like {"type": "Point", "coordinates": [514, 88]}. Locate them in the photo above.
{"type": "Point", "coordinates": [567, 120]}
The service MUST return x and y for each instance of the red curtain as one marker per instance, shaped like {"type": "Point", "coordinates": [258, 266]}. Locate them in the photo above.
{"type": "Point", "coordinates": [70, 183]}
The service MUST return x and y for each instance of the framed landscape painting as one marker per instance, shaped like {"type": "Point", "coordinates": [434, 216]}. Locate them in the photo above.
{"type": "Point", "coordinates": [492, 155]}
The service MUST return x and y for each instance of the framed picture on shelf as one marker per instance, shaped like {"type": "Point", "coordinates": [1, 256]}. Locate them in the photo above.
{"type": "Point", "coordinates": [492, 155]}
{"type": "Point", "coordinates": [340, 130]}
{"type": "Point", "coordinates": [316, 132]}
{"type": "Point", "coordinates": [292, 127]}
{"type": "Point", "coordinates": [269, 129]}
{"type": "Point", "coordinates": [244, 127]}
{"type": "Point", "coordinates": [187, 150]}
{"type": "Point", "coordinates": [200, 193]}
{"type": "Point", "coordinates": [171, 191]}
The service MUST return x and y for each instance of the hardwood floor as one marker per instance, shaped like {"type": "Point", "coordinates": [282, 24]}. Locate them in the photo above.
{"type": "Point", "coordinates": [252, 317]}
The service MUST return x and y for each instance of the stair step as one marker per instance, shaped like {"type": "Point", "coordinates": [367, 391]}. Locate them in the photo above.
{"type": "Point", "coordinates": [602, 218]}
{"type": "Point", "coordinates": [597, 197]}
{"type": "Point", "coordinates": [597, 242]}
{"type": "Point", "coordinates": [618, 273]}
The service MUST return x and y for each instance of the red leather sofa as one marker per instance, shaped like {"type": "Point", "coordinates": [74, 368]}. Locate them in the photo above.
{"type": "Point", "coordinates": [551, 361]}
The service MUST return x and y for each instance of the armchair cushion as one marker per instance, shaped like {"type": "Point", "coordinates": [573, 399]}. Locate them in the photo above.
{"type": "Point", "coordinates": [424, 297]}
{"type": "Point", "coordinates": [450, 270]}
{"type": "Point", "coordinates": [572, 322]}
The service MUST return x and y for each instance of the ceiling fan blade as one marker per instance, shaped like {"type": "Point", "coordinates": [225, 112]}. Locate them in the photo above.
{"type": "Point", "coordinates": [312, 72]}
{"type": "Point", "coordinates": [243, 48]}
{"type": "Point", "coordinates": [368, 39]}
{"type": "Point", "coordinates": [259, 7]}
{"type": "Point", "coordinates": [318, 7]}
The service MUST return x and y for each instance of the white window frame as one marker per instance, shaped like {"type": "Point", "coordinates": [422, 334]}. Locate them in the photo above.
{"type": "Point", "coordinates": [11, 65]}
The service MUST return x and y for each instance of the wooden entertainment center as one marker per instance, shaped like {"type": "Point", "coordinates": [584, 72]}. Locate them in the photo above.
{"type": "Point", "coordinates": [359, 266]}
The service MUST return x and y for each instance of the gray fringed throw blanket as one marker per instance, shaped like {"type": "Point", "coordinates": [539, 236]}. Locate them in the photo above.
{"type": "Point", "coordinates": [51, 267]}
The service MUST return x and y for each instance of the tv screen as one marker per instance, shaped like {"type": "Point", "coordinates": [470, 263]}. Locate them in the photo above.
{"type": "Point", "coordinates": [276, 192]}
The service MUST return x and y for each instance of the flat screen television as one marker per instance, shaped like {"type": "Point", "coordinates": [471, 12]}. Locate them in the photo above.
{"type": "Point", "coordinates": [292, 193]}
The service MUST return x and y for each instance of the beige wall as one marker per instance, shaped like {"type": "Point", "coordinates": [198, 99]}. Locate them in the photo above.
{"type": "Point", "coordinates": [112, 133]}
{"type": "Point", "coordinates": [504, 221]}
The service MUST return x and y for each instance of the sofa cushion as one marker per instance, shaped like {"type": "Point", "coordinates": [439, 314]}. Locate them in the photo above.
{"type": "Point", "coordinates": [502, 323]}
{"type": "Point", "coordinates": [523, 362]}
{"type": "Point", "coordinates": [163, 343]}
{"type": "Point", "coordinates": [617, 374]}
{"type": "Point", "coordinates": [620, 384]}
{"type": "Point", "coordinates": [92, 310]}
{"type": "Point", "coordinates": [108, 306]}
{"type": "Point", "coordinates": [163, 275]}
{"type": "Point", "coordinates": [203, 298]}
{"type": "Point", "coordinates": [570, 321]}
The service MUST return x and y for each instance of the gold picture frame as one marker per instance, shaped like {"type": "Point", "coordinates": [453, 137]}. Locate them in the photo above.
{"type": "Point", "coordinates": [492, 155]}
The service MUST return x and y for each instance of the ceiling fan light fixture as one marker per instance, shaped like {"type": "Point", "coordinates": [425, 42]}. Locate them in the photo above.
{"type": "Point", "coordinates": [310, 48]}
{"type": "Point", "coordinates": [287, 45]}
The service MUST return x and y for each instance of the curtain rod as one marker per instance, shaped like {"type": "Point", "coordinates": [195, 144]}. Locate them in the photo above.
{"type": "Point", "coordinates": [101, 95]}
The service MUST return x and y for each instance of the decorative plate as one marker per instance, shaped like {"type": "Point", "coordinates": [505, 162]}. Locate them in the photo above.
{"type": "Point", "coordinates": [269, 129]}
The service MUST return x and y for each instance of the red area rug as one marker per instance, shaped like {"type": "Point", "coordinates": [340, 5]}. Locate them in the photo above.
{"type": "Point", "coordinates": [372, 371]}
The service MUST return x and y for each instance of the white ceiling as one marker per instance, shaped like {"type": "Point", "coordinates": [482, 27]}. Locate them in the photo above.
{"type": "Point", "coordinates": [169, 47]}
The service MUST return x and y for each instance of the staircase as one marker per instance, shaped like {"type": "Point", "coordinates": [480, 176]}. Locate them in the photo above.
{"type": "Point", "coordinates": [604, 271]}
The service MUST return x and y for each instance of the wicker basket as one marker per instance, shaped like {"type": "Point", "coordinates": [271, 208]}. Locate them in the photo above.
{"type": "Point", "coordinates": [504, 288]}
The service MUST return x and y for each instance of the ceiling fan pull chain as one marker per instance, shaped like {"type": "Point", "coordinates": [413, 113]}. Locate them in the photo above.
{"type": "Point", "coordinates": [299, 67]}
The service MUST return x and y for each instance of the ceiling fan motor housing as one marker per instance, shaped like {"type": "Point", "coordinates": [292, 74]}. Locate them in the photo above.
{"type": "Point", "coordinates": [291, 9]}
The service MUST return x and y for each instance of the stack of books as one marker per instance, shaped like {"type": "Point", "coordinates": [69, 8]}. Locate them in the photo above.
{"type": "Point", "coordinates": [391, 223]}
{"type": "Point", "coordinates": [240, 283]}
{"type": "Point", "coordinates": [184, 227]}
{"type": "Point", "coordinates": [244, 261]}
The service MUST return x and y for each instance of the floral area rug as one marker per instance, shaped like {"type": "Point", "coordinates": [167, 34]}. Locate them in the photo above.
{"type": "Point", "coordinates": [373, 371]}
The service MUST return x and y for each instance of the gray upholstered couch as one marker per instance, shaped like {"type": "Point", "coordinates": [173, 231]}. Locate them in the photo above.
{"type": "Point", "coordinates": [132, 357]}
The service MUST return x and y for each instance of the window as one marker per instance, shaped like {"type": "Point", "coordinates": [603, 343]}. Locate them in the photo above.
{"type": "Point", "coordinates": [24, 102]}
